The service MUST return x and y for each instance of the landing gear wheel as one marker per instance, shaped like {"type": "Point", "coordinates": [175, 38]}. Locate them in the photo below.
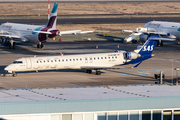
{"type": "Point", "coordinates": [42, 46]}
{"type": "Point", "coordinates": [38, 45]}
{"type": "Point", "coordinates": [14, 74]}
{"type": "Point", "coordinates": [89, 71]}
{"type": "Point", "coordinates": [161, 43]}
{"type": "Point", "coordinates": [14, 45]}
{"type": "Point", "coordinates": [98, 72]}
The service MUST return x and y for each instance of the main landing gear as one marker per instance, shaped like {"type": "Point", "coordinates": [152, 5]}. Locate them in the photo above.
{"type": "Point", "coordinates": [98, 72]}
{"type": "Point", "coordinates": [8, 42]}
{"type": "Point", "coordinates": [160, 43]}
{"type": "Point", "coordinates": [40, 45]}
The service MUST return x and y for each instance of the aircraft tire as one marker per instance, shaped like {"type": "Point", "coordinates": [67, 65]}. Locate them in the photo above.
{"type": "Point", "coordinates": [42, 45]}
{"type": "Point", "coordinates": [14, 45]}
{"type": "Point", "coordinates": [10, 46]}
{"type": "Point", "coordinates": [98, 72]}
{"type": "Point", "coordinates": [38, 45]}
{"type": "Point", "coordinates": [161, 43]}
{"type": "Point", "coordinates": [14, 74]}
{"type": "Point", "coordinates": [89, 71]}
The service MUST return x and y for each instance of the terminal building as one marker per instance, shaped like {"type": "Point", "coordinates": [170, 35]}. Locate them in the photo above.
{"type": "Point", "coordinates": [130, 102]}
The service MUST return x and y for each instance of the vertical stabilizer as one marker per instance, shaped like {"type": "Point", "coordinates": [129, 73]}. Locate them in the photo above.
{"type": "Point", "coordinates": [53, 17]}
{"type": "Point", "coordinates": [148, 47]}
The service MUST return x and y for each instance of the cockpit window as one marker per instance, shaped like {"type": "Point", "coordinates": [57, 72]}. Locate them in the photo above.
{"type": "Point", "coordinates": [17, 62]}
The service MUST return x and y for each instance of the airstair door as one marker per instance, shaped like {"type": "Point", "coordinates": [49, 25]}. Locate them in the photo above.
{"type": "Point", "coordinates": [28, 63]}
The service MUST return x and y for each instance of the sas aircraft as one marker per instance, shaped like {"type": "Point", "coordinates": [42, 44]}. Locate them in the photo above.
{"type": "Point", "coordinates": [9, 32]}
{"type": "Point", "coordinates": [168, 31]}
{"type": "Point", "coordinates": [89, 62]}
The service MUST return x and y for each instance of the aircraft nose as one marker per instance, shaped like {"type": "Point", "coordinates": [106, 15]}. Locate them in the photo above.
{"type": "Point", "coordinates": [9, 68]}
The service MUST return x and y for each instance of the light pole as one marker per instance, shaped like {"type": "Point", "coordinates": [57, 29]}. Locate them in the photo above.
{"type": "Point", "coordinates": [177, 69]}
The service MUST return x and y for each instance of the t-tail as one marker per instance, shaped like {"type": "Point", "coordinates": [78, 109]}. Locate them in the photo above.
{"type": "Point", "coordinates": [53, 17]}
{"type": "Point", "coordinates": [145, 51]}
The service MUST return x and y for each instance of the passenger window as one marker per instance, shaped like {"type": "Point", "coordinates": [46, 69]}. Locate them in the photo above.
{"type": "Point", "coordinates": [59, 61]}
{"type": "Point", "coordinates": [63, 60]}
{"type": "Point", "coordinates": [116, 57]}
{"type": "Point", "coordinates": [90, 58]}
{"type": "Point", "coordinates": [105, 57]}
{"type": "Point", "coordinates": [73, 59]}
{"type": "Point", "coordinates": [47, 60]}
{"type": "Point", "coordinates": [76, 59]}
{"type": "Point", "coordinates": [40, 61]}
{"type": "Point", "coordinates": [109, 57]}
{"type": "Point", "coordinates": [80, 58]}
{"type": "Point", "coordinates": [55, 60]}
{"type": "Point", "coordinates": [94, 58]}
{"type": "Point", "coordinates": [98, 58]}
{"type": "Point", "coordinates": [44, 61]}
{"type": "Point", "coordinates": [66, 59]}
{"type": "Point", "coordinates": [37, 61]}
{"type": "Point", "coordinates": [101, 57]}
{"type": "Point", "coordinates": [112, 57]}
{"type": "Point", "coordinates": [51, 60]}
{"type": "Point", "coordinates": [69, 59]}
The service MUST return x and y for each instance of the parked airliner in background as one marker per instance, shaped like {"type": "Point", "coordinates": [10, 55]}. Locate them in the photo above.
{"type": "Point", "coordinates": [89, 62]}
{"type": "Point", "coordinates": [39, 34]}
{"type": "Point", "coordinates": [169, 31]}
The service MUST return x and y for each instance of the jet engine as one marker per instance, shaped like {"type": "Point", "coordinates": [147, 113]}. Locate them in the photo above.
{"type": "Point", "coordinates": [131, 55]}
{"type": "Point", "coordinates": [143, 37]}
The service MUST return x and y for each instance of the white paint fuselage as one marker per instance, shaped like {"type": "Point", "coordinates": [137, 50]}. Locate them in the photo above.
{"type": "Point", "coordinates": [165, 27]}
{"type": "Point", "coordinates": [21, 30]}
{"type": "Point", "coordinates": [66, 62]}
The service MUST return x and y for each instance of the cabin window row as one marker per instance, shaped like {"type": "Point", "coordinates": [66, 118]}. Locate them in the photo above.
{"type": "Point", "coordinates": [63, 60]}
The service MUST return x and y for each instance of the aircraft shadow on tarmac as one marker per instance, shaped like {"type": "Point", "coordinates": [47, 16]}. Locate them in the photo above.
{"type": "Point", "coordinates": [22, 50]}
{"type": "Point", "coordinates": [111, 38]}
{"type": "Point", "coordinates": [152, 78]}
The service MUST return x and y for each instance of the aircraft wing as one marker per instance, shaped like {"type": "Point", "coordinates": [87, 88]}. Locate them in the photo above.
{"type": "Point", "coordinates": [102, 68]}
{"type": "Point", "coordinates": [43, 32]}
{"type": "Point", "coordinates": [10, 36]}
{"type": "Point", "coordinates": [139, 31]}
{"type": "Point", "coordinates": [163, 39]}
{"type": "Point", "coordinates": [75, 32]}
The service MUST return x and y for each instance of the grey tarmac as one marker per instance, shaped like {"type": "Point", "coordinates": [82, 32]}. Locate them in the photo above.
{"type": "Point", "coordinates": [166, 59]}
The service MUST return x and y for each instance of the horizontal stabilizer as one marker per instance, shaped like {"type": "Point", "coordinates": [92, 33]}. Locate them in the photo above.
{"type": "Point", "coordinates": [75, 32]}
{"type": "Point", "coordinates": [43, 32]}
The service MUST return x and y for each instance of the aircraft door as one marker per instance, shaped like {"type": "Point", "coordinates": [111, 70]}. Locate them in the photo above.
{"type": "Point", "coordinates": [28, 63]}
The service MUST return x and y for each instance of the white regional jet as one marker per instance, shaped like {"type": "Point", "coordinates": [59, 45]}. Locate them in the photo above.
{"type": "Point", "coordinates": [168, 31]}
{"type": "Point", "coordinates": [89, 62]}
{"type": "Point", "coordinates": [11, 31]}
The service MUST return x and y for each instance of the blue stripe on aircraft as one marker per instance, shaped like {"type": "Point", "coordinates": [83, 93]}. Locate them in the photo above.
{"type": "Point", "coordinates": [142, 74]}
{"type": "Point", "coordinates": [159, 70]}
{"type": "Point", "coordinates": [143, 71]}
{"type": "Point", "coordinates": [126, 74]}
